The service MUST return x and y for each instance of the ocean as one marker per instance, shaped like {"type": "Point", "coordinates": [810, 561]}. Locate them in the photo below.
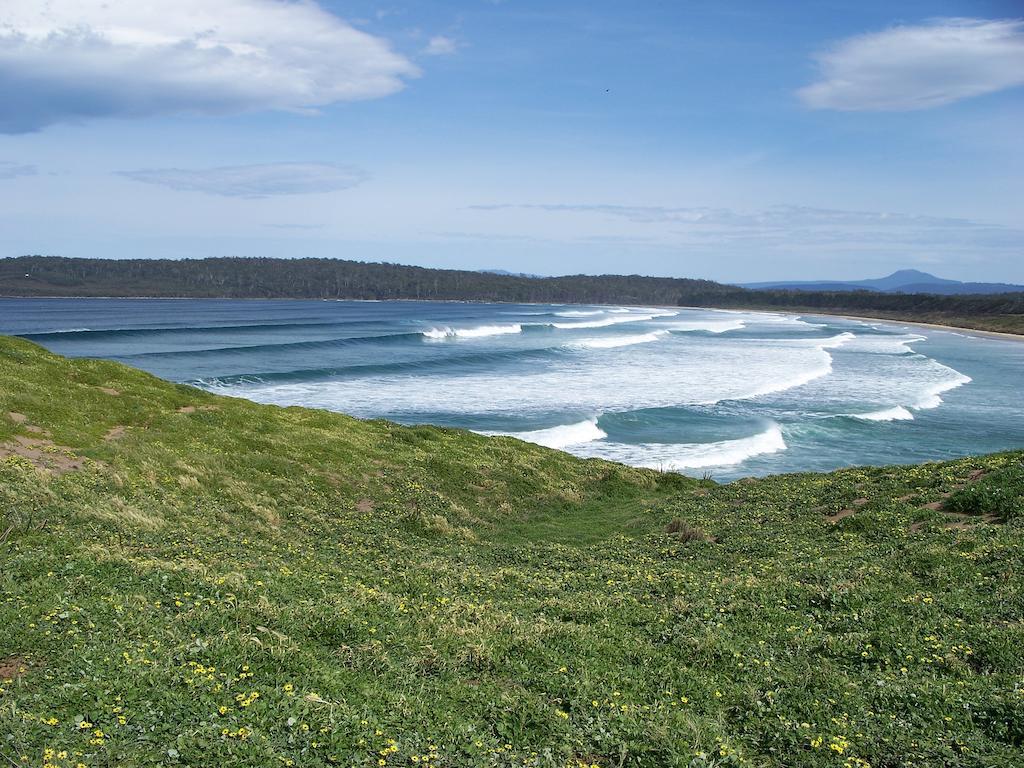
{"type": "Point", "coordinates": [704, 392]}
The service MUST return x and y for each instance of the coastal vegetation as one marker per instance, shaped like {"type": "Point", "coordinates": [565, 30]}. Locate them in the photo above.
{"type": "Point", "coordinates": [194, 580]}
{"type": "Point", "coordinates": [341, 279]}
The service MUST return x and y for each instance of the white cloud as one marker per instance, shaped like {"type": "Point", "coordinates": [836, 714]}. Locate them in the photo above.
{"type": "Point", "coordinates": [10, 170]}
{"type": "Point", "coordinates": [64, 60]}
{"type": "Point", "coordinates": [917, 67]}
{"type": "Point", "coordinates": [439, 45]}
{"type": "Point", "coordinates": [254, 181]}
{"type": "Point", "coordinates": [786, 228]}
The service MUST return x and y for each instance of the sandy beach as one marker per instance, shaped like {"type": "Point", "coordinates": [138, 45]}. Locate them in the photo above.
{"type": "Point", "coordinates": [884, 320]}
{"type": "Point", "coordinates": [936, 326]}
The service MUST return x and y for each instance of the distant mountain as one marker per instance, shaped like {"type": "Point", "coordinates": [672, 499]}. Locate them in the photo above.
{"type": "Point", "coordinates": [902, 281]}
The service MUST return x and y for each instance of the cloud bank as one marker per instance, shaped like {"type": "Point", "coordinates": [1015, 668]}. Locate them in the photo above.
{"type": "Point", "coordinates": [789, 228]}
{"type": "Point", "coordinates": [10, 170]}
{"type": "Point", "coordinates": [254, 181]}
{"type": "Point", "coordinates": [919, 67]}
{"type": "Point", "coordinates": [66, 60]}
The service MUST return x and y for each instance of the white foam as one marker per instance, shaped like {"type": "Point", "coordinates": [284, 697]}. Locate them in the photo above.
{"type": "Point", "coordinates": [870, 376]}
{"type": "Point", "coordinates": [611, 342]}
{"type": "Point", "coordinates": [580, 313]}
{"type": "Point", "coordinates": [783, 384]}
{"type": "Point", "coordinates": [678, 456]}
{"type": "Point", "coordinates": [887, 344]}
{"type": "Point", "coordinates": [472, 333]}
{"type": "Point", "coordinates": [711, 326]}
{"type": "Point", "coordinates": [698, 373]}
{"type": "Point", "coordinates": [897, 413]}
{"type": "Point", "coordinates": [837, 341]}
{"type": "Point", "coordinates": [562, 436]}
{"type": "Point", "coordinates": [777, 319]}
{"type": "Point", "coordinates": [931, 398]}
{"type": "Point", "coordinates": [630, 318]}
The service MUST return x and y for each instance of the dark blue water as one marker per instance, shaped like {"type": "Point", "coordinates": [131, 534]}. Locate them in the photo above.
{"type": "Point", "coordinates": [727, 393]}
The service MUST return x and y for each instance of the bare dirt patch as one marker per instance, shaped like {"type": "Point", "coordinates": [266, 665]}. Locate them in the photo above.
{"type": "Point", "coordinates": [960, 525]}
{"type": "Point", "coordinates": [835, 517]}
{"type": "Point", "coordinates": [12, 668]}
{"type": "Point", "coordinates": [22, 420]}
{"type": "Point", "coordinates": [43, 454]}
{"type": "Point", "coordinates": [114, 433]}
{"type": "Point", "coordinates": [364, 505]}
{"type": "Point", "coordinates": [194, 408]}
{"type": "Point", "coordinates": [954, 520]}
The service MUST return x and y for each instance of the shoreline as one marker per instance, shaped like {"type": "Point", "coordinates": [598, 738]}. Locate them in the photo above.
{"type": "Point", "coordinates": [937, 326]}
{"type": "Point", "coordinates": [773, 311]}
{"type": "Point", "coordinates": [884, 320]}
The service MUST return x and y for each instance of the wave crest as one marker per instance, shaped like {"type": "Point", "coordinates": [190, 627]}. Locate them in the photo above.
{"type": "Point", "coordinates": [896, 413]}
{"type": "Point", "coordinates": [932, 397]}
{"type": "Point", "coordinates": [448, 332]}
{"type": "Point", "coordinates": [711, 326]}
{"type": "Point", "coordinates": [674, 457]}
{"type": "Point", "coordinates": [561, 436]}
{"type": "Point", "coordinates": [806, 377]}
{"type": "Point", "coordinates": [630, 318]}
{"type": "Point", "coordinates": [611, 342]}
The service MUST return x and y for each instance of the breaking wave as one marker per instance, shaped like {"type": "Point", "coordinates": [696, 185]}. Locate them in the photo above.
{"type": "Point", "coordinates": [932, 397]}
{"type": "Point", "coordinates": [631, 318]}
{"type": "Point", "coordinates": [824, 368]}
{"type": "Point", "coordinates": [671, 457]}
{"type": "Point", "coordinates": [611, 342]}
{"type": "Point", "coordinates": [711, 326]}
{"type": "Point", "coordinates": [563, 436]}
{"type": "Point", "coordinates": [472, 333]}
{"type": "Point", "coordinates": [897, 413]}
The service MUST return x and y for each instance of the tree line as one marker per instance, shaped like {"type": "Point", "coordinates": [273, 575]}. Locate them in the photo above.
{"type": "Point", "coordinates": [261, 278]}
{"type": "Point", "coordinates": [326, 279]}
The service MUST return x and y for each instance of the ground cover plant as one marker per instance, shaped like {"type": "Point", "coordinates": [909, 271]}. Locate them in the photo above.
{"type": "Point", "coordinates": [191, 580]}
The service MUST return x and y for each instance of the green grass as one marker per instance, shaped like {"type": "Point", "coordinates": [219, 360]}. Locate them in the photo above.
{"type": "Point", "coordinates": [229, 584]}
{"type": "Point", "coordinates": [999, 494]}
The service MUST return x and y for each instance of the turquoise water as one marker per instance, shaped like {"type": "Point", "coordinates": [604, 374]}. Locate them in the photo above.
{"type": "Point", "coordinates": [696, 391]}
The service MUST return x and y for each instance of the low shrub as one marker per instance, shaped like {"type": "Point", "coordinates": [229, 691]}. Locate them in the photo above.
{"type": "Point", "coordinates": [682, 531]}
{"type": "Point", "coordinates": [999, 493]}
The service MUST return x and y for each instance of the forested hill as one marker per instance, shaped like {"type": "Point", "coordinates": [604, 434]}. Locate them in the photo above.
{"type": "Point", "coordinates": [330, 279]}
{"type": "Point", "coordinates": [339, 279]}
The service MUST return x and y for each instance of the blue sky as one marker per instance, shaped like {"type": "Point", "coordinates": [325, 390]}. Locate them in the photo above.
{"type": "Point", "coordinates": [727, 140]}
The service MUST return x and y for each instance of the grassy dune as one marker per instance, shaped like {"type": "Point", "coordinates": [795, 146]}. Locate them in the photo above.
{"type": "Point", "coordinates": [194, 580]}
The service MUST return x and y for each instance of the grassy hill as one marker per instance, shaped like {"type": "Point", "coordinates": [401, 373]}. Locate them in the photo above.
{"type": "Point", "coordinates": [191, 580]}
